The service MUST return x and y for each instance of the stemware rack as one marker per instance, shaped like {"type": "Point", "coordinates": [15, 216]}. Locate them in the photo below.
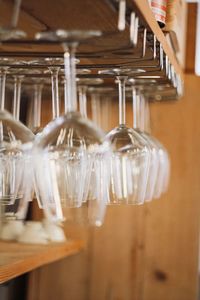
{"type": "Point", "coordinates": [151, 58]}
{"type": "Point", "coordinates": [156, 63]}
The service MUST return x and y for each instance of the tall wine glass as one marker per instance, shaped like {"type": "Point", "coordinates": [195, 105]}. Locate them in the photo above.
{"type": "Point", "coordinates": [138, 126]}
{"type": "Point", "coordinates": [15, 141]}
{"type": "Point", "coordinates": [70, 144]}
{"type": "Point", "coordinates": [163, 176]}
{"type": "Point", "coordinates": [95, 208]}
{"type": "Point", "coordinates": [101, 101]}
{"type": "Point", "coordinates": [130, 158]}
{"type": "Point", "coordinates": [83, 86]}
{"type": "Point", "coordinates": [159, 162]}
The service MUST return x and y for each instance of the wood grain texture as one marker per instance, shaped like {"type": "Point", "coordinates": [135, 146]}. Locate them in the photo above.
{"type": "Point", "coordinates": [84, 15]}
{"type": "Point", "coordinates": [172, 223]}
{"type": "Point", "coordinates": [191, 37]}
{"type": "Point", "coordinates": [17, 259]}
{"type": "Point", "coordinates": [151, 252]}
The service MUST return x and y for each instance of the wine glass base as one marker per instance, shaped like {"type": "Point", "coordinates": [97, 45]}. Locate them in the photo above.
{"type": "Point", "coordinates": [10, 34]}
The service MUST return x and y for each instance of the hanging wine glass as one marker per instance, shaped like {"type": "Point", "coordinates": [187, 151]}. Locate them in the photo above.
{"type": "Point", "coordinates": [53, 66]}
{"type": "Point", "coordinates": [163, 176]}
{"type": "Point", "coordinates": [83, 84]}
{"type": "Point", "coordinates": [138, 126]}
{"type": "Point", "coordinates": [159, 162]}
{"type": "Point", "coordinates": [95, 208]}
{"type": "Point", "coordinates": [15, 143]}
{"type": "Point", "coordinates": [101, 105]}
{"type": "Point", "coordinates": [130, 158]}
{"type": "Point", "coordinates": [70, 143]}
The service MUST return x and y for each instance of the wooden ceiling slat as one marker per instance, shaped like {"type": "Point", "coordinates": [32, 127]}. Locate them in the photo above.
{"type": "Point", "coordinates": [76, 14]}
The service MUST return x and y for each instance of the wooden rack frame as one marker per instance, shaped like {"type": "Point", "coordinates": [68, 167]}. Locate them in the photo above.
{"type": "Point", "coordinates": [113, 49]}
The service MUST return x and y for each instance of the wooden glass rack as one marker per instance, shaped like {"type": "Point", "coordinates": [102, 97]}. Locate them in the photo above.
{"type": "Point", "coordinates": [113, 49]}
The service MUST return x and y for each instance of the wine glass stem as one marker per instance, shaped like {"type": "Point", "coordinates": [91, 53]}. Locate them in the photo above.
{"type": "Point", "coordinates": [70, 77]}
{"type": "Point", "coordinates": [2, 88]}
{"type": "Point", "coordinates": [15, 14]}
{"type": "Point", "coordinates": [83, 100]}
{"type": "Point", "coordinates": [2, 97]}
{"type": "Point", "coordinates": [65, 96]}
{"type": "Point", "coordinates": [136, 118]}
{"type": "Point", "coordinates": [147, 116]}
{"type": "Point", "coordinates": [122, 99]}
{"type": "Point", "coordinates": [17, 96]}
{"type": "Point", "coordinates": [96, 109]}
{"type": "Point", "coordinates": [55, 93]}
{"type": "Point", "coordinates": [141, 108]}
{"type": "Point", "coordinates": [37, 105]}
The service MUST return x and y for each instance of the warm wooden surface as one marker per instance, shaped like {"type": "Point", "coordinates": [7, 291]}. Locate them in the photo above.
{"type": "Point", "coordinates": [172, 224]}
{"type": "Point", "coordinates": [17, 259]}
{"type": "Point", "coordinates": [112, 49]}
{"type": "Point", "coordinates": [149, 17]}
{"type": "Point", "coordinates": [191, 37]}
{"type": "Point", "coordinates": [151, 252]}
{"type": "Point", "coordinates": [148, 252]}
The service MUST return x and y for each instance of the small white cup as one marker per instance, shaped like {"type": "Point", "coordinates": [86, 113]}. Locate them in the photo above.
{"type": "Point", "coordinates": [54, 231]}
{"type": "Point", "coordinates": [33, 233]}
{"type": "Point", "coordinates": [11, 230]}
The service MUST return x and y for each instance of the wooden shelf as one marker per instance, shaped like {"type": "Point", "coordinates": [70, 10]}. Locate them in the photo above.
{"type": "Point", "coordinates": [17, 259]}
{"type": "Point", "coordinates": [147, 14]}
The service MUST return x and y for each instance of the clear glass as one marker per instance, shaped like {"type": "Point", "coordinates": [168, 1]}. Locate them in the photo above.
{"type": "Point", "coordinates": [70, 147]}
{"type": "Point", "coordinates": [15, 146]}
{"type": "Point", "coordinates": [101, 105]}
{"type": "Point", "coordinates": [138, 125]}
{"type": "Point", "coordinates": [37, 104]}
{"type": "Point", "coordinates": [130, 158]}
{"type": "Point", "coordinates": [159, 169]}
{"type": "Point", "coordinates": [163, 174]}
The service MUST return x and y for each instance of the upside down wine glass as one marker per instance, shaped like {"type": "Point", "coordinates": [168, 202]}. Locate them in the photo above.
{"type": "Point", "coordinates": [130, 157]}
{"type": "Point", "coordinates": [101, 102]}
{"type": "Point", "coordinates": [15, 141]}
{"type": "Point", "coordinates": [70, 144]}
{"type": "Point", "coordinates": [137, 125]}
{"type": "Point", "coordinates": [163, 174]}
{"type": "Point", "coordinates": [95, 209]}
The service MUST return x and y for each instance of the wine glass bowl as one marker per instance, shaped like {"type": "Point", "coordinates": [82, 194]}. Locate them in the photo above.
{"type": "Point", "coordinates": [70, 145]}
{"type": "Point", "coordinates": [130, 152]}
{"type": "Point", "coordinates": [129, 165]}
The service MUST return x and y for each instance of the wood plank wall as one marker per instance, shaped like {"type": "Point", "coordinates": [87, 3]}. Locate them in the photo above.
{"type": "Point", "coordinates": [142, 253]}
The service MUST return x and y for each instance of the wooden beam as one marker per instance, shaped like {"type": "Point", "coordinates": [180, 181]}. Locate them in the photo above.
{"type": "Point", "coordinates": [191, 37]}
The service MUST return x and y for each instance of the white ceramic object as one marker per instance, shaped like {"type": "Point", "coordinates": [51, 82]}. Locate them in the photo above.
{"type": "Point", "coordinates": [33, 233]}
{"type": "Point", "coordinates": [11, 230]}
{"type": "Point", "coordinates": [54, 231]}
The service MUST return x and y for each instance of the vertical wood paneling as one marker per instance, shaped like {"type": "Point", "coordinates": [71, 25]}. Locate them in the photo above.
{"type": "Point", "coordinates": [148, 252]}
{"type": "Point", "coordinates": [172, 224]}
